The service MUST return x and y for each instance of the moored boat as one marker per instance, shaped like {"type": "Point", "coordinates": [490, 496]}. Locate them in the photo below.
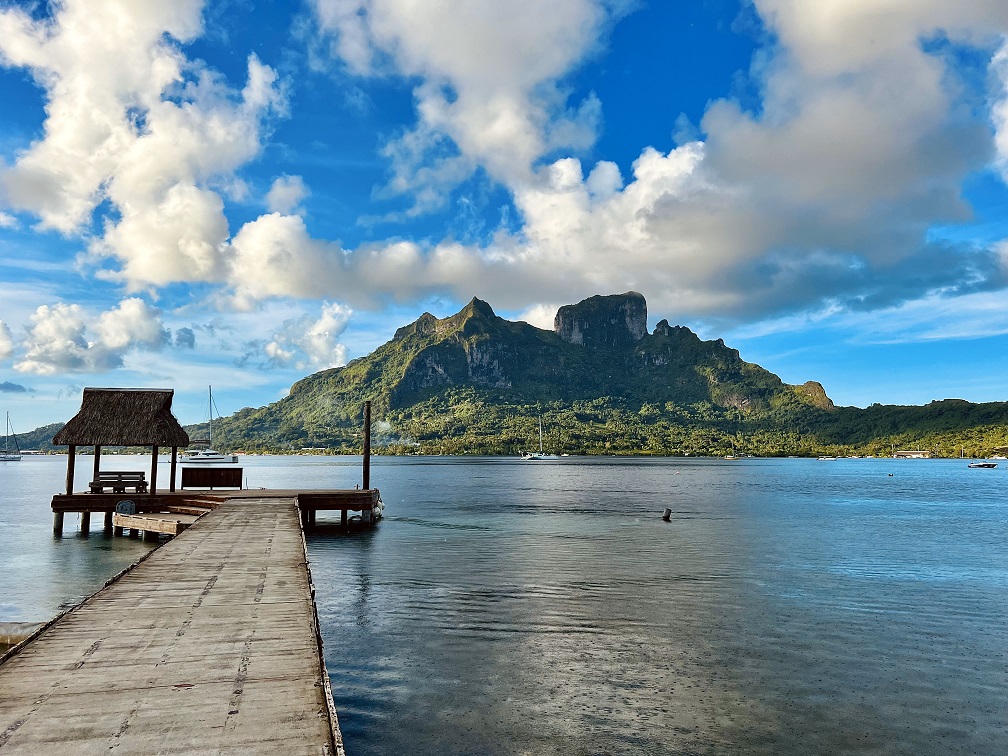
{"type": "Point", "coordinates": [8, 455]}
{"type": "Point", "coordinates": [209, 455]}
{"type": "Point", "coordinates": [539, 455]}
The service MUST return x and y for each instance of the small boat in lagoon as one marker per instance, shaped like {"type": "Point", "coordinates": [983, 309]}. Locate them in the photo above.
{"type": "Point", "coordinates": [209, 455]}
{"type": "Point", "coordinates": [7, 455]}
{"type": "Point", "coordinates": [985, 465]}
{"type": "Point", "coordinates": [540, 455]}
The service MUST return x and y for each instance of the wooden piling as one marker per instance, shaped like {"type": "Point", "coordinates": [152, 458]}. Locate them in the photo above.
{"type": "Point", "coordinates": [367, 445]}
{"type": "Point", "coordinates": [153, 472]}
{"type": "Point", "coordinates": [85, 522]}
{"type": "Point", "coordinates": [71, 460]}
{"type": "Point", "coordinates": [57, 524]}
{"type": "Point", "coordinates": [108, 521]}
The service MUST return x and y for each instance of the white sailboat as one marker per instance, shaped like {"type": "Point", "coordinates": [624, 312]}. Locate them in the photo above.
{"type": "Point", "coordinates": [534, 456]}
{"type": "Point", "coordinates": [209, 455]}
{"type": "Point", "coordinates": [7, 455]}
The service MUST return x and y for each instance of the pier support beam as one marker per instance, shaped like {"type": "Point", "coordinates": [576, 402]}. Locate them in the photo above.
{"type": "Point", "coordinates": [153, 472]}
{"type": "Point", "coordinates": [117, 531]}
{"type": "Point", "coordinates": [71, 460]}
{"type": "Point", "coordinates": [57, 524]}
{"type": "Point", "coordinates": [343, 517]}
{"type": "Point", "coordinates": [174, 464]}
{"type": "Point", "coordinates": [85, 523]}
{"type": "Point", "coordinates": [108, 521]}
{"type": "Point", "coordinates": [367, 445]}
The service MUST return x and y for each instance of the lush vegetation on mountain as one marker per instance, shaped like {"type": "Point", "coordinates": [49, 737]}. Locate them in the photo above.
{"type": "Point", "coordinates": [475, 383]}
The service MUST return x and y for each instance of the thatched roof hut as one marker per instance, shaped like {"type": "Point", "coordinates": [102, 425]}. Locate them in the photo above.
{"type": "Point", "coordinates": [124, 417]}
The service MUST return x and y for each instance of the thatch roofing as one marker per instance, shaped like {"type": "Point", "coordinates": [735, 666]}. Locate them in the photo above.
{"type": "Point", "coordinates": [124, 417]}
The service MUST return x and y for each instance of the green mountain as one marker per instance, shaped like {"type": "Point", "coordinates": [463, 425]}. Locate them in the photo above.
{"type": "Point", "coordinates": [477, 383]}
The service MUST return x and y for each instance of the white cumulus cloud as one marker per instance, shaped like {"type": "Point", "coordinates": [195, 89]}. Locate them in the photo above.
{"type": "Point", "coordinates": [826, 194]}
{"type": "Point", "coordinates": [286, 194]}
{"type": "Point", "coordinates": [489, 73]}
{"type": "Point", "coordinates": [6, 341]}
{"type": "Point", "coordinates": [59, 339]}
{"type": "Point", "coordinates": [131, 121]}
{"type": "Point", "coordinates": [309, 343]}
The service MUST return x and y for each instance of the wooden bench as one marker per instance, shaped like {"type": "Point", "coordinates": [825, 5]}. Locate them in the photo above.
{"type": "Point", "coordinates": [119, 481]}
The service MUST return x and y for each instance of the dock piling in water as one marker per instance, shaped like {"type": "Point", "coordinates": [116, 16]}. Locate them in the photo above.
{"type": "Point", "coordinates": [367, 445]}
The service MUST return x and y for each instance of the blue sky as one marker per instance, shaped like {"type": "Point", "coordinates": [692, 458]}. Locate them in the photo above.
{"type": "Point", "coordinates": [241, 193]}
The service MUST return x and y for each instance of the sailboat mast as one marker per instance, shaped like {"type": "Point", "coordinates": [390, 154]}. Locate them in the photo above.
{"type": "Point", "coordinates": [540, 435]}
{"type": "Point", "coordinates": [210, 415]}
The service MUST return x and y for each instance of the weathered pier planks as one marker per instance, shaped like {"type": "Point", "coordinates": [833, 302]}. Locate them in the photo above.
{"type": "Point", "coordinates": [210, 645]}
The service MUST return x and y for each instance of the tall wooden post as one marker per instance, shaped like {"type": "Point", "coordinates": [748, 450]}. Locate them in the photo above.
{"type": "Point", "coordinates": [153, 472]}
{"type": "Point", "coordinates": [71, 460]}
{"type": "Point", "coordinates": [174, 464]}
{"type": "Point", "coordinates": [97, 461]}
{"type": "Point", "coordinates": [367, 445]}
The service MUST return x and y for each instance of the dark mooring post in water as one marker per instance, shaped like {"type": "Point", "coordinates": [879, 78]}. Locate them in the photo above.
{"type": "Point", "coordinates": [367, 445]}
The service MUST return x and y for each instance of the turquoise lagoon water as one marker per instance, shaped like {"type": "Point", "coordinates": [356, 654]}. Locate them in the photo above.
{"type": "Point", "coordinates": [789, 607]}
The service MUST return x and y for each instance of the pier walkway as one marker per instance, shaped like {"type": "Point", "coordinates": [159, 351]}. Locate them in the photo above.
{"type": "Point", "coordinates": [209, 646]}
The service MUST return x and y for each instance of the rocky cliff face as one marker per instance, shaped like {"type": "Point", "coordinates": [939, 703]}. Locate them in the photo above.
{"type": "Point", "coordinates": [600, 347]}
{"type": "Point", "coordinates": [613, 322]}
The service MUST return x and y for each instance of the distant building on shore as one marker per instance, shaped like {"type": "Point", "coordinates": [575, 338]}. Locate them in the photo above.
{"type": "Point", "coordinates": [912, 454]}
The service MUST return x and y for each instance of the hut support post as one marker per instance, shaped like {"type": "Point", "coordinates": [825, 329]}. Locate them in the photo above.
{"type": "Point", "coordinates": [85, 523]}
{"type": "Point", "coordinates": [71, 459]}
{"type": "Point", "coordinates": [57, 524]}
{"type": "Point", "coordinates": [97, 461]}
{"type": "Point", "coordinates": [108, 521]}
{"type": "Point", "coordinates": [367, 445]}
{"type": "Point", "coordinates": [174, 464]}
{"type": "Point", "coordinates": [343, 517]}
{"type": "Point", "coordinates": [153, 472]}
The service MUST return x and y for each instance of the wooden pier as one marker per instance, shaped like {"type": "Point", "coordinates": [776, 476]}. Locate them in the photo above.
{"type": "Point", "coordinates": [211, 643]}
{"type": "Point", "coordinates": [208, 645]}
{"type": "Point", "coordinates": [364, 504]}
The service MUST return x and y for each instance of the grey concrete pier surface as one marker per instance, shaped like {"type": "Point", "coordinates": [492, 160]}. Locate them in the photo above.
{"type": "Point", "coordinates": [209, 645]}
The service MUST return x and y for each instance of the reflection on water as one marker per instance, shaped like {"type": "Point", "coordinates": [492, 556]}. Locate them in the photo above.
{"type": "Point", "coordinates": [42, 575]}
{"type": "Point", "coordinates": [789, 607]}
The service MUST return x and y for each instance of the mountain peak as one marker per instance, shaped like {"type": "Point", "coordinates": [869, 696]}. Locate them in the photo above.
{"type": "Point", "coordinates": [479, 306]}
{"type": "Point", "coordinates": [617, 321]}
{"type": "Point", "coordinates": [425, 325]}
{"type": "Point", "coordinates": [428, 325]}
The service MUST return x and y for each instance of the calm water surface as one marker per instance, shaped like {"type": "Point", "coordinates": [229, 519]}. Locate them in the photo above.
{"type": "Point", "coordinates": [790, 607]}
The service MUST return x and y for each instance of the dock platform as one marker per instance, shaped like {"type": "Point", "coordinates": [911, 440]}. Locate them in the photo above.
{"type": "Point", "coordinates": [366, 502]}
{"type": "Point", "coordinates": [209, 645]}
